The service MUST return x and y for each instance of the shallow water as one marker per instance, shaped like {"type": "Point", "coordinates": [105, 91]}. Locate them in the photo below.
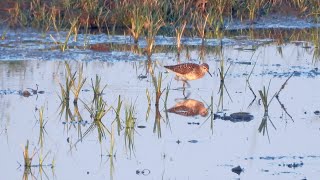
{"type": "Point", "coordinates": [185, 147]}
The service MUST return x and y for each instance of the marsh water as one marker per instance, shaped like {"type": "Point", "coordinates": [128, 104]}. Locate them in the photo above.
{"type": "Point", "coordinates": [163, 145]}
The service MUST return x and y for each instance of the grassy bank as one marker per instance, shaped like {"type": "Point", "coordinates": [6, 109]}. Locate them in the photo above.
{"type": "Point", "coordinates": [135, 14]}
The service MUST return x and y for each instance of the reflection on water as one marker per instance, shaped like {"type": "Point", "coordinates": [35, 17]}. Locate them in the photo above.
{"type": "Point", "coordinates": [189, 107]}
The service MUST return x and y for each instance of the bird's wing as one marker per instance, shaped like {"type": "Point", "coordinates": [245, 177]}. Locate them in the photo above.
{"type": "Point", "coordinates": [181, 68]}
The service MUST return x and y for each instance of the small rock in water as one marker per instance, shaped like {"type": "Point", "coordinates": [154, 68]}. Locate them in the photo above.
{"type": "Point", "coordinates": [142, 76]}
{"type": "Point", "coordinates": [238, 170]}
{"type": "Point", "coordinates": [241, 117]}
{"type": "Point", "coordinates": [317, 112]}
{"type": "Point", "coordinates": [26, 93]}
{"type": "Point", "coordinates": [295, 165]}
{"type": "Point", "coordinates": [193, 141]}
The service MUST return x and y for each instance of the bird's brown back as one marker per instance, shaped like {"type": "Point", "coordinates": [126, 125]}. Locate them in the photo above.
{"type": "Point", "coordinates": [182, 68]}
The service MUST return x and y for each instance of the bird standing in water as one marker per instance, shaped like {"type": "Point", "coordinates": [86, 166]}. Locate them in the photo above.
{"type": "Point", "coordinates": [189, 71]}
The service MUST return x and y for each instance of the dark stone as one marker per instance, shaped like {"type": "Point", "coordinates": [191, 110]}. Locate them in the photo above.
{"type": "Point", "coordinates": [193, 141]}
{"type": "Point", "coordinates": [241, 116]}
{"type": "Point", "coordinates": [238, 170]}
{"type": "Point", "coordinates": [141, 126]}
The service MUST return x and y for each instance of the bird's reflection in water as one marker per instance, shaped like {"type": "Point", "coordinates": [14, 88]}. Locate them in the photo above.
{"type": "Point", "coordinates": [189, 107]}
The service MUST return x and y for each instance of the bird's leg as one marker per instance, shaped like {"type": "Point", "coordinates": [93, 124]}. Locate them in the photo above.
{"type": "Point", "coordinates": [186, 82]}
{"type": "Point", "coordinates": [183, 92]}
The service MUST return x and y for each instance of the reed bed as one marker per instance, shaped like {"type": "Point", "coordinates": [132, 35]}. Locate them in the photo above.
{"type": "Point", "coordinates": [137, 16]}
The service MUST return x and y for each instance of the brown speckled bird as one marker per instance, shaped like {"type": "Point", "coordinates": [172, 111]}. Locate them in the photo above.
{"type": "Point", "coordinates": [189, 71]}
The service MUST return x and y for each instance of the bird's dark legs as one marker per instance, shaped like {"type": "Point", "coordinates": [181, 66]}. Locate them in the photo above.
{"type": "Point", "coordinates": [184, 88]}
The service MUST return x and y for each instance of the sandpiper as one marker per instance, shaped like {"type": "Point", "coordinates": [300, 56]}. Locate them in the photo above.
{"type": "Point", "coordinates": [189, 71]}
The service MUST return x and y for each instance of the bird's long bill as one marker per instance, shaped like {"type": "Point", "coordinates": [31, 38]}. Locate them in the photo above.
{"type": "Point", "coordinates": [209, 73]}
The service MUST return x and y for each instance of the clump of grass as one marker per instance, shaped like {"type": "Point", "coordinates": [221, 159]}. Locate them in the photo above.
{"type": "Point", "coordinates": [129, 132]}
{"type": "Point", "coordinates": [97, 90]}
{"type": "Point", "coordinates": [101, 13]}
{"type": "Point", "coordinates": [165, 102]}
{"type": "Point", "coordinates": [211, 114]}
{"type": "Point", "coordinates": [179, 33]}
{"type": "Point", "coordinates": [137, 21]}
{"type": "Point", "coordinates": [73, 30]}
{"type": "Point", "coordinates": [149, 104]}
{"type": "Point", "coordinates": [153, 23]}
{"type": "Point", "coordinates": [65, 97]}
{"type": "Point", "coordinates": [97, 111]}
{"type": "Point", "coordinates": [201, 21]}
{"type": "Point", "coordinates": [157, 83]}
{"type": "Point", "coordinates": [26, 157]}
{"type": "Point", "coordinates": [42, 124]}
{"type": "Point", "coordinates": [111, 153]}
{"type": "Point", "coordinates": [222, 86]}
{"type": "Point", "coordinates": [76, 87]}
{"type": "Point", "coordinates": [69, 79]}
{"type": "Point", "coordinates": [117, 118]}
{"type": "Point", "coordinates": [157, 122]}
{"type": "Point", "coordinates": [27, 161]}
{"type": "Point", "coordinates": [16, 16]}
{"type": "Point", "coordinates": [3, 35]}
{"type": "Point", "coordinates": [264, 98]}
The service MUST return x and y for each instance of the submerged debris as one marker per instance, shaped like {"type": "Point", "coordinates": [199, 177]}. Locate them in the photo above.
{"type": "Point", "coordinates": [293, 165]}
{"type": "Point", "coordinates": [100, 47]}
{"type": "Point", "coordinates": [193, 141]}
{"type": "Point", "coordinates": [238, 170]}
{"type": "Point", "coordinates": [140, 77]}
{"type": "Point", "coordinates": [143, 172]}
{"type": "Point", "coordinates": [235, 117]}
{"type": "Point", "coordinates": [25, 93]}
{"type": "Point", "coordinates": [141, 126]}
